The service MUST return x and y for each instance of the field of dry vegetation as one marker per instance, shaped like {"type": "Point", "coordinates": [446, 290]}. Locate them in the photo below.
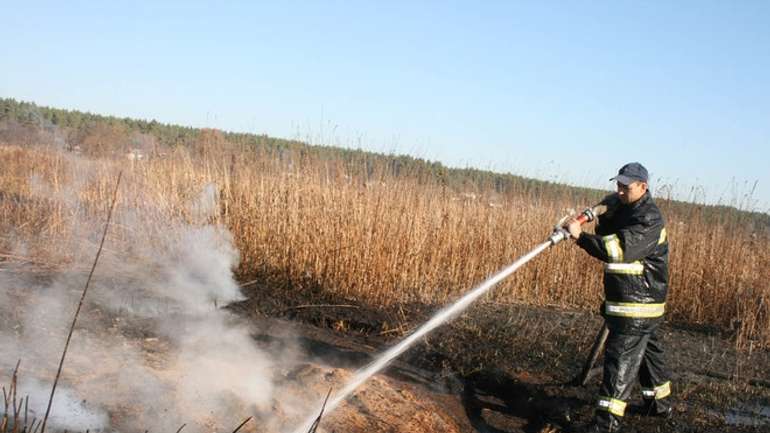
{"type": "Point", "coordinates": [314, 227]}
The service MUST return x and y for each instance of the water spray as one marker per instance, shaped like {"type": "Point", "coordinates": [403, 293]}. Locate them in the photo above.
{"type": "Point", "coordinates": [559, 234]}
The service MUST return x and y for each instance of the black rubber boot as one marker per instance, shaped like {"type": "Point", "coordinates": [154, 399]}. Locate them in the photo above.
{"type": "Point", "coordinates": [605, 422]}
{"type": "Point", "coordinates": [598, 428]}
{"type": "Point", "coordinates": [657, 408]}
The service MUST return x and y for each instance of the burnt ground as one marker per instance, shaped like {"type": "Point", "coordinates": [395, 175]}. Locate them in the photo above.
{"type": "Point", "coordinates": [495, 369]}
{"type": "Point", "coordinates": [509, 368]}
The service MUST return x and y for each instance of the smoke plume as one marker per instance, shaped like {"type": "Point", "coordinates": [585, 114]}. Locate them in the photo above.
{"type": "Point", "coordinates": [153, 349]}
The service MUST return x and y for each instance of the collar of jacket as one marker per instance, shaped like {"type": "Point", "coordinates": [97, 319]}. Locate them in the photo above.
{"type": "Point", "coordinates": [645, 198]}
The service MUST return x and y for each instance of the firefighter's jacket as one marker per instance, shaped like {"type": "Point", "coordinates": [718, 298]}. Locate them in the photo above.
{"type": "Point", "coordinates": [631, 241]}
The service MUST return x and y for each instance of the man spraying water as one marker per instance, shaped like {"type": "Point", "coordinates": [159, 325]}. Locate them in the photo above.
{"type": "Point", "coordinates": [631, 241]}
{"type": "Point", "coordinates": [559, 234]}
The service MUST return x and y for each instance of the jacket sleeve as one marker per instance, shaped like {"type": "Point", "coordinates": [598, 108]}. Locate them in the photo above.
{"type": "Point", "coordinates": [631, 243]}
{"type": "Point", "coordinates": [593, 245]}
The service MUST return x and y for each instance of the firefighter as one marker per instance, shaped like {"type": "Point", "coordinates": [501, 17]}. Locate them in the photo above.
{"type": "Point", "coordinates": [631, 241]}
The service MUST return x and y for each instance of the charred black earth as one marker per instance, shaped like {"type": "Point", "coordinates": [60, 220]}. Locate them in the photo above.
{"type": "Point", "coordinates": [508, 368]}
{"type": "Point", "coordinates": [495, 369]}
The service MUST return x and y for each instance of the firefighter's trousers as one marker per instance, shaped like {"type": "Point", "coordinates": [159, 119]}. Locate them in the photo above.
{"type": "Point", "coordinates": [627, 357]}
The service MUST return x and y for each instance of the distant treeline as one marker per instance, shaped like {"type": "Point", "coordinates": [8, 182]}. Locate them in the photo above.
{"type": "Point", "coordinates": [25, 123]}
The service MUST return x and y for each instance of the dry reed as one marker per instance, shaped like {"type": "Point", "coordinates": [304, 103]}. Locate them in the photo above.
{"type": "Point", "coordinates": [375, 238]}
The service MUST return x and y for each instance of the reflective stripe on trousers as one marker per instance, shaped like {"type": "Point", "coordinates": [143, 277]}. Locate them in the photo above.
{"type": "Point", "coordinates": [612, 405]}
{"type": "Point", "coordinates": [659, 392]}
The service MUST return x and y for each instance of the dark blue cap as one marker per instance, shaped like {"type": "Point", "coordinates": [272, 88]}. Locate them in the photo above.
{"type": "Point", "coordinates": [630, 173]}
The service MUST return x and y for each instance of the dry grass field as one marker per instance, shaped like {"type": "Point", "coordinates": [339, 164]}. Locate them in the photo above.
{"type": "Point", "coordinates": [315, 227]}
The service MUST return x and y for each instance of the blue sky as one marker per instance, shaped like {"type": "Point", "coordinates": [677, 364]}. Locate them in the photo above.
{"type": "Point", "coordinates": [564, 91]}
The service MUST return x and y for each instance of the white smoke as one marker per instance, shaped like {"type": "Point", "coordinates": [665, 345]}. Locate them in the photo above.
{"type": "Point", "coordinates": [242, 370]}
{"type": "Point", "coordinates": [68, 411]}
{"type": "Point", "coordinates": [153, 344]}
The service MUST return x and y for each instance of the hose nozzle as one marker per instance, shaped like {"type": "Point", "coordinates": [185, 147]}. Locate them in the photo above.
{"type": "Point", "coordinates": [592, 213]}
{"type": "Point", "coordinates": [589, 214]}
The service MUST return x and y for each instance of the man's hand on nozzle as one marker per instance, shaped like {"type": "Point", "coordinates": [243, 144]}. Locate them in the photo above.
{"type": "Point", "coordinates": [574, 227]}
